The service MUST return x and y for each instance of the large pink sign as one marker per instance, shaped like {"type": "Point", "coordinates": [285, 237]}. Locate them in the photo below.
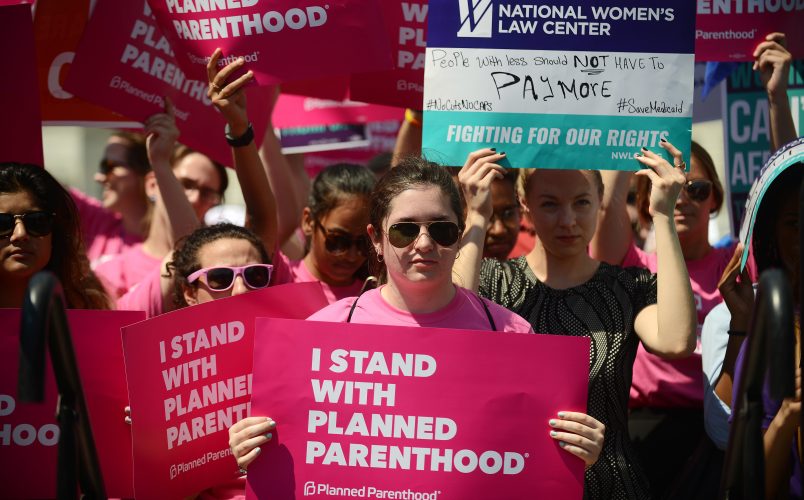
{"type": "Point", "coordinates": [125, 64]}
{"type": "Point", "coordinates": [394, 412]}
{"type": "Point", "coordinates": [406, 24]}
{"type": "Point", "coordinates": [730, 30]}
{"type": "Point", "coordinates": [296, 111]}
{"type": "Point", "coordinates": [189, 380]}
{"type": "Point", "coordinates": [282, 40]}
{"type": "Point", "coordinates": [29, 432]}
{"type": "Point", "coordinates": [21, 126]}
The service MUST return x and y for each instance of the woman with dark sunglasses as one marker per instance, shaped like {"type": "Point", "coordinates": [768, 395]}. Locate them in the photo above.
{"type": "Point", "coordinates": [416, 222]}
{"type": "Point", "coordinates": [39, 231]}
{"type": "Point", "coordinates": [334, 222]}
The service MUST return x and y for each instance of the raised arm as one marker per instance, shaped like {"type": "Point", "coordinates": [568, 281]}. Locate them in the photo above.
{"type": "Point", "coordinates": [613, 236]}
{"type": "Point", "coordinates": [409, 137]}
{"type": "Point", "coordinates": [229, 98]}
{"type": "Point", "coordinates": [476, 177]}
{"type": "Point", "coordinates": [173, 216]}
{"type": "Point", "coordinates": [284, 181]}
{"type": "Point", "coordinates": [668, 328]}
{"type": "Point", "coordinates": [772, 60]}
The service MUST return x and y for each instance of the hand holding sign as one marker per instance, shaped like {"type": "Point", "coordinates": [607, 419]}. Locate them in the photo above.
{"type": "Point", "coordinates": [246, 436]}
{"type": "Point", "coordinates": [666, 180]}
{"type": "Point", "coordinates": [772, 60]}
{"type": "Point", "coordinates": [580, 434]}
{"type": "Point", "coordinates": [476, 176]}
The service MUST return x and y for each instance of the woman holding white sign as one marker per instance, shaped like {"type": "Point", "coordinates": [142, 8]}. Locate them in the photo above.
{"type": "Point", "coordinates": [416, 221]}
{"type": "Point", "coordinates": [560, 289]}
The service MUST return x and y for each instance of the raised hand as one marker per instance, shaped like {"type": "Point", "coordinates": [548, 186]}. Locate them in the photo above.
{"type": "Point", "coordinates": [162, 134]}
{"type": "Point", "coordinates": [476, 177]}
{"type": "Point", "coordinates": [227, 96]}
{"type": "Point", "coordinates": [666, 180]}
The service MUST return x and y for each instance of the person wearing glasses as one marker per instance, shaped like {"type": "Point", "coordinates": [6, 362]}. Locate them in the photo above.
{"type": "Point", "coordinates": [39, 231]}
{"type": "Point", "coordinates": [415, 226]}
{"type": "Point", "coordinates": [334, 223]}
{"type": "Point", "coordinates": [561, 290]}
{"type": "Point", "coordinates": [503, 232]}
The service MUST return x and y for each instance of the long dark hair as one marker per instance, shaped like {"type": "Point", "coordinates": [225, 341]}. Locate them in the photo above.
{"type": "Point", "coordinates": [68, 260]}
{"type": "Point", "coordinates": [185, 257]}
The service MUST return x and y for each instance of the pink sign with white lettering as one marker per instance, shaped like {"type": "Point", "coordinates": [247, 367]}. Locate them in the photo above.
{"type": "Point", "coordinates": [397, 412]}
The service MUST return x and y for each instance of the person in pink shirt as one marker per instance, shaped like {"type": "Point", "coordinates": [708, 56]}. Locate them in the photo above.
{"type": "Point", "coordinates": [415, 226]}
{"type": "Point", "coordinates": [119, 220]}
{"type": "Point", "coordinates": [334, 222]}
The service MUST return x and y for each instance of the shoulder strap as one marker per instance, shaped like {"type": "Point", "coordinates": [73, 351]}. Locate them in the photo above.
{"type": "Point", "coordinates": [370, 283]}
{"type": "Point", "coordinates": [492, 325]}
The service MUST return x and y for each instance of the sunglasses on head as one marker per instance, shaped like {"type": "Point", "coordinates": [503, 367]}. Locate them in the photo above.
{"type": "Point", "coordinates": [698, 190]}
{"type": "Point", "coordinates": [222, 278]}
{"type": "Point", "coordinates": [36, 223]}
{"type": "Point", "coordinates": [339, 243]}
{"type": "Point", "coordinates": [443, 232]}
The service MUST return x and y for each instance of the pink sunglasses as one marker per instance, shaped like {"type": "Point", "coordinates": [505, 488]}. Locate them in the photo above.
{"type": "Point", "coordinates": [222, 278]}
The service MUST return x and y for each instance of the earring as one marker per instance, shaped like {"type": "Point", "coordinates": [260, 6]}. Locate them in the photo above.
{"type": "Point", "coordinates": [379, 257]}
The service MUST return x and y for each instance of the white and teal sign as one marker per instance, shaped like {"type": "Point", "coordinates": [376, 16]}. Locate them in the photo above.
{"type": "Point", "coordinates": [558, 84]}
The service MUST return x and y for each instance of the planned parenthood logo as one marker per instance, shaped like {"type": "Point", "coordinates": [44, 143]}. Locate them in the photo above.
{"type": "Point", "coordinates": [476, 17]}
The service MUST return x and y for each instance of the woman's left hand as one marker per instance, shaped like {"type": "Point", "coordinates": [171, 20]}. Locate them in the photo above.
{"type": "Point", "coordinates": [579, 434]}
{"type": "Point", "coordinates": [666, 180]}
{"type": "Point", "coordinates": [229, 97]}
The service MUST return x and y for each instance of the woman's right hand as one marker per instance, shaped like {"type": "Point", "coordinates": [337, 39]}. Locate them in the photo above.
{"type": "Point", "coordinates": [162, 133]}
{"type": "Point", "coordinates": [246, 437]}
{"type": "Point", "coordinates": [667, 180]}
{"type": "Point", "coordinates": [738, 295]}
{"type": "Point", "coordinates": [228, 97]}
{"type": "Point", "coordinates": [476, 177]}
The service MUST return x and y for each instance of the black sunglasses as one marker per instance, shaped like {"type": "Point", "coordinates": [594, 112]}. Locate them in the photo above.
{"type": "Point", "coordinates": [339, 243]}
{"type": "Point", "coordinates": [443, 232]}
{"type": "Point", "coordinates": [36, 223]}
{"type": "Point", "coordinates": [698, 190]}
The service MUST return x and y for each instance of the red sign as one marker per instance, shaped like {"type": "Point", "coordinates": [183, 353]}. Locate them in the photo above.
{"type": "Point", "coordinates": [29, 432]}
{"type": "Point", "coordinates": [398, 412]}
{"type": "Point", "coordinates": [189, 380]}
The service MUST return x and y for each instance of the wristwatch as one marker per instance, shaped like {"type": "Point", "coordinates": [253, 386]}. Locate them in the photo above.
{"type": "Point", "coordinates": [243, 140]}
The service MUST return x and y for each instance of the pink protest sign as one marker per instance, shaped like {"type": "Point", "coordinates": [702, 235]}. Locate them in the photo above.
{"type": "Point", "coordinates": [125, 64]}
{"type": "Point", "coordinates": [406, 24]}
{"type": "Point", "coordinates": [21, 126]}
{"type": "Point", "coordinates": [395, 412]}
{"type": "Point", "coordinates": [29, 432]}
{"type": "Point", "coordinates": [281, 40]}
{"type": "Point", "coordinates": [296, 111]}
{"type": "Point", "coordinates": [731, 30]}
{"type": "Point", "coordinates": [189, 380]}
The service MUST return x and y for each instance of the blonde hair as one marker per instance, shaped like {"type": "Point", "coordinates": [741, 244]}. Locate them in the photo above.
{"type": "Point", "coordinates": [526, 173]}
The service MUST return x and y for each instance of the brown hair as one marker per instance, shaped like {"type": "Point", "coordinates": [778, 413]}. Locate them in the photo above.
{"type": "Point", "coordinates": [136, 152]}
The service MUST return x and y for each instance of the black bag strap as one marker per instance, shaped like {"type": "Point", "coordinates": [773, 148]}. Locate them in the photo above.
{"type": "Point", "coordinates": [371, 282]}
{"type": "Point", "coordinates": [488, 313]}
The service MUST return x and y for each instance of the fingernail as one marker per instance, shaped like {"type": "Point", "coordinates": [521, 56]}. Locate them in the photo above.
{"type": "Point", "coordinates": [561, 414]}
{"type": "Point", "coordinates": [553, 433]}
{"type": "Point", "coordinates": [552, 423]}
{"type": "Point", "coordinates": [493, 149]}
{"type": "Point", "coordinates": [502, 152]}
{"type": "Point", "coordinates": [662, 140]}
{"type": "Point", "coordinates": [644, 149]}
{"type": "Point", "coordinates": [562, 444]}
{"type": "Point", "coordinates": [637, 155]}
{"type": "Point", "coordinates": [258, 450]}
{"type": "Point", "coordinates": [272, 424]}
{"type": "Point", "coordinates": [269, 435]}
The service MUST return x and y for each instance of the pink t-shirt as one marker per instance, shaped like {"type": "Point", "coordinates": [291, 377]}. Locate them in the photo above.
{"type": "Point", "coordinates": [677, 383]}
{"type": "Point", "coordinates": [121, 273]}
{"type": "Point", "coordinates": [145, 295]}
{"type": "Point", "coordinates": [295, 271]}
{"type": "Point", "coordinates": [103, 232]}
{"type": "Point", "coordinates": [464, 312]}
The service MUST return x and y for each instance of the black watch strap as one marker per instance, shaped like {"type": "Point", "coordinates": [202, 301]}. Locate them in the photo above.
{"type": "Point", "coordinates": [243, 140]}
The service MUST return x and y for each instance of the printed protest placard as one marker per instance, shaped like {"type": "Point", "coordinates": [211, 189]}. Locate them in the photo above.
{"type": "Point", "coordinates": [297, 111]}
{"type": "Point", "coordinates": [322, 138]}
{"type": "Point", "coordinates": [125, 64]}
{"type": "Point", "coordinates": [282, 40]}
{"type": "Point", "coordinates": [21, 126]}
{"type": "Point", "coordinates": [29, 432]}
{"type": "Point", "coordinates": [557, 84]}
{"type": "Point", "coordinates": [397, 412]}
{"type": "Point", "coordinates": [189, 380]}
{"type": "Point", "coordinates": [746, 126]}
{"type": "Point", "coordinates": [58, 27]}
{"type": "Point", "coordinates": [406, 24]}
{"type": "Point", "coordinates": [791, 155]}
{"type": "Point", "coordinates": [730, 30]}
